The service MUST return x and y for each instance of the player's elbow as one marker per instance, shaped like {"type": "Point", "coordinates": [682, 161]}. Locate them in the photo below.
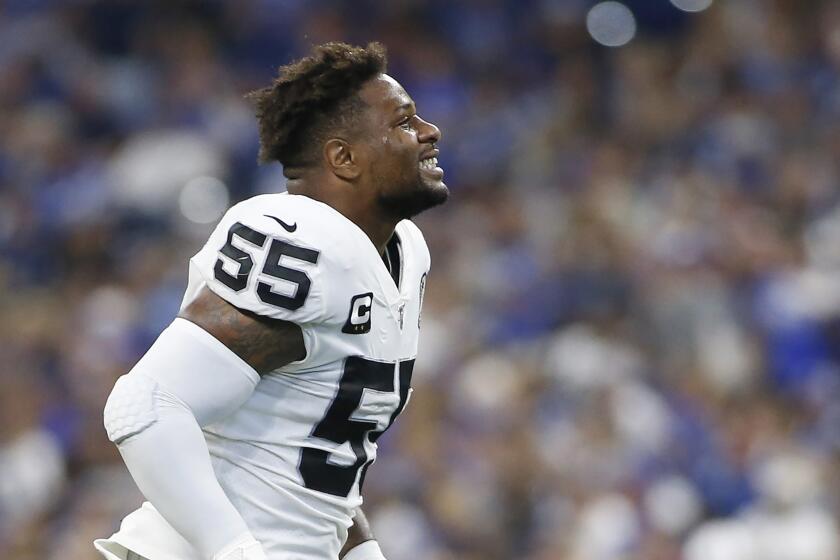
{"type": "Point", "coordinates": [186, 371]}
{"type": "Point", "coordinates": [130, 408]}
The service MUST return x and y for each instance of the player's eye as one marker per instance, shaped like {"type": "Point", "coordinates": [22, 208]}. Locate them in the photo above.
{"type": "Point", "coordinates": [407, 124]}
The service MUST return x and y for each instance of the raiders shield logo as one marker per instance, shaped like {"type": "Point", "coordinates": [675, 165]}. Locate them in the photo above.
{"type": "Point", "coordinates": [422, 293]}
{"type": "Point", "coordinates": [358, 322]}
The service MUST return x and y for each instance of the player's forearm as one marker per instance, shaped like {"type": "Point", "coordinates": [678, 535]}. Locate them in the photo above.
{"type": "Point", "coordinates": [358, 533]}
{"type": "Point", "coordinates": [360, 543]}
{"type": "Point", "coordinates": [187, 379]}
{"type": "Point", "coordinates": [171, 466]}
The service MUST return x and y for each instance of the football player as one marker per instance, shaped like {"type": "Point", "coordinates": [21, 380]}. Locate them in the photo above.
{"type": "Point", "coordinates": [250, 424]}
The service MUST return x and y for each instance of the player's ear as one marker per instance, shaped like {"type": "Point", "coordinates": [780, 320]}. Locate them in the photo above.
{"type": "Point", "coordinates": [342, 159]}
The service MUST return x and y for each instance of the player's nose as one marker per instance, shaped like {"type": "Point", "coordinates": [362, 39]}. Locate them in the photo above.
{"type": "Point", "coordinates": [427, 132]}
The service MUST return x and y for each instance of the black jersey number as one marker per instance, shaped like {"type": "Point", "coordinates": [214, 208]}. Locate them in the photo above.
{"type": "Point", "coordinates": [338, 426]}
{"type": "Point", "coordinates": [244, 260]}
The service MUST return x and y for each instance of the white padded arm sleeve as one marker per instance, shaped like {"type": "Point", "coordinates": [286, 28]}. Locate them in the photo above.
{"type": "Point", "coordinates": [185, 380]}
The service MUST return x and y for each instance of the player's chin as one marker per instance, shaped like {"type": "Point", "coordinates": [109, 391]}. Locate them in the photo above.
{"type": "Point", "coordinates": [437, 191]}
{"type": "Point", "coordinates": [408, 204]}
{"type": "Point", "coordinates": [428, 196]}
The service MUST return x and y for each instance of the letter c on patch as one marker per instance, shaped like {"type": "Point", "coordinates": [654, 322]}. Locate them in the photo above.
{"type": "Point", "coordinates": [358, 321]}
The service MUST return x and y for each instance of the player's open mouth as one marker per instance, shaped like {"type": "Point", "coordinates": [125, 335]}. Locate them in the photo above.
{"type": "Point", "coordinates": [430, 166]}
{"type": "Point", "coordinates": [429, 163]}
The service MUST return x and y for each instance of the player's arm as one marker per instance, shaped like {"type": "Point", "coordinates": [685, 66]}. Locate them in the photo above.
{"type": "Point", "coordinates": [267, 344]}
{"type": "Point", "coordinates": [264, 344]}
{"type": "Point", "coordinates": [360, 543]}
{"type": "Point", "coordinates": [202, 368]}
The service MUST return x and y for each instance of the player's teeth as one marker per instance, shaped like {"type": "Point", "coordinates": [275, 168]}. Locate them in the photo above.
{"type": "Point", "coordinates": [429, 163]}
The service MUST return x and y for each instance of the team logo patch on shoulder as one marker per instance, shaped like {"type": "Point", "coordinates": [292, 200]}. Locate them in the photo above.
{"type": "Point", "coordinates": [422, 293]}
{"type": "Point", "coordinates": [358, 322]}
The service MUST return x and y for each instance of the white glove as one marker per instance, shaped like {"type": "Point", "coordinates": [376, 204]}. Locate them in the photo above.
{"type": "Point", "coordinates": [368, 550]}
{"type": "Point", "coordinates": [243, 548]}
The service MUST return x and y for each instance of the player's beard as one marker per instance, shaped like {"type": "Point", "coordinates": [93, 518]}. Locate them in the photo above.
{"type": "Point", "coordinates": [407, 202]}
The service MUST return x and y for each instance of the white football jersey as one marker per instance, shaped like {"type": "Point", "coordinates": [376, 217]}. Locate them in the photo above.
{"type": "Point", "coordinates": [292, 459]}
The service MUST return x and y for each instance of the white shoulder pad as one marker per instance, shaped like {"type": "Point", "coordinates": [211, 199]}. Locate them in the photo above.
{"type": "Point", "coordinates": [275, 255]}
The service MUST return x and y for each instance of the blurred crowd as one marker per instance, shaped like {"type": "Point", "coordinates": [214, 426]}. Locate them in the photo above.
{"type": "Point", "coordinates": [631, 335]}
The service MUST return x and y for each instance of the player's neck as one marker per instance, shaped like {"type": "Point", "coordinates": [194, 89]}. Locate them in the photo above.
{"type": "Point", "coordinates": [357, 209]}
{"type": "Point", "coordinates": [379, 231]}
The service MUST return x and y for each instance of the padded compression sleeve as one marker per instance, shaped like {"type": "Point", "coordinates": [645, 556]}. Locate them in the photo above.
{"type": "Point", "coordinates": [186, 379]}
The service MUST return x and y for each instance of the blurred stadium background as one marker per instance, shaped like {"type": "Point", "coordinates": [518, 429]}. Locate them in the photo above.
{"type": "Point", "coordinates": [631, 338]}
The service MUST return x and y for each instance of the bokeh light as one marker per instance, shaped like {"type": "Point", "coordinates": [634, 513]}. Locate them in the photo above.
{"type": "Point", "coordinates": [611, 23]}
{"type": "Point", "coordinates": [692, 5]}
{"type": "Point", "coordinates": [203, 200]}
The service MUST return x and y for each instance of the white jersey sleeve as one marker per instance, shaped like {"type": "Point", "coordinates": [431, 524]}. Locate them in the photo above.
{"type": "Point", "coordinates": [268, 256]}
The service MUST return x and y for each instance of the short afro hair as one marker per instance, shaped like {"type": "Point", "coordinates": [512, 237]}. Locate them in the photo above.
{"type": "Point", "coordinates": [313, 97]}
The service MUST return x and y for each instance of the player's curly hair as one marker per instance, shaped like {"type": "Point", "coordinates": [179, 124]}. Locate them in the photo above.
{"type": "Point", "coordinates": [312, 97]}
